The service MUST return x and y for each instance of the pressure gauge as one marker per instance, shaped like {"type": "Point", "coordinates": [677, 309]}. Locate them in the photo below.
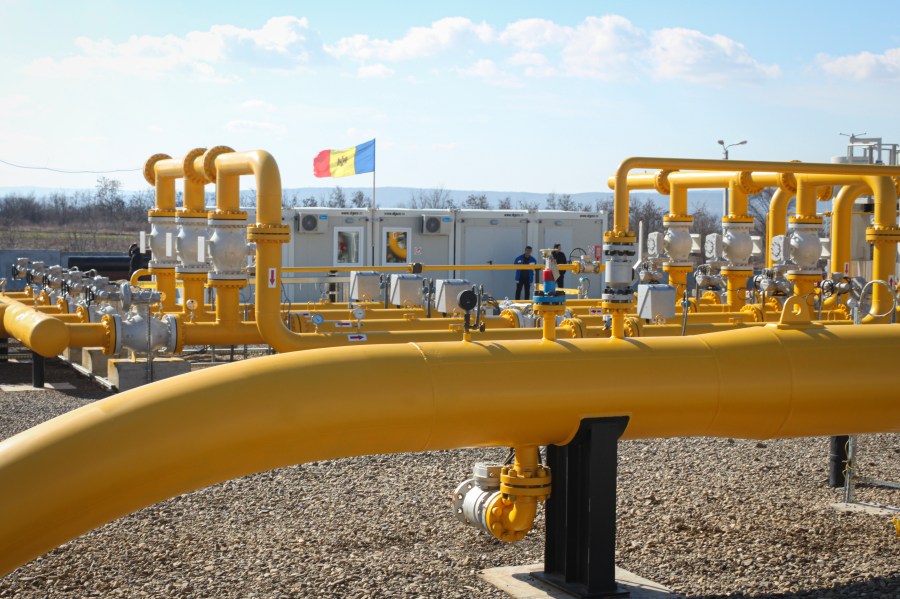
{"type": "Point", "coordinates": [359, 313]}
{"type": "Point", "coordinates": [191, 304]}
{"type": "Point", "coordinates": [317, 319]}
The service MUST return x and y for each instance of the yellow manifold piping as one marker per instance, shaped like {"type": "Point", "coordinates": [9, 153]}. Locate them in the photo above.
{"type": "Point", "coordinates": [47, 335]}
{"type": "Point", "coordinates": [114, 456]}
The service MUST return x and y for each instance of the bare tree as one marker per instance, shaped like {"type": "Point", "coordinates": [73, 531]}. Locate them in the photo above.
{"type": "Point", "coordinates": [565, 202]}
{"type": "Point", "coordinates": [309, 202]}
{"type": "Point", "coordinates": [337, 199]}
{"type": "Point", "coordinates": [529, 205]}
{"type": "Point", "coordinates": [478, 202]}
{"type": "Point", "coordinates": [360, 200]}
{"type": "Point", "coordinates": [432, 198]}
{"type": "Point", "coordinates": [551, 201]}
{"type": "Point", "coordinates": [505, 203]}
{"type": "Point", "coordinates": [705, 223]}
{"type": "Point", "coordinates": [758, 207]}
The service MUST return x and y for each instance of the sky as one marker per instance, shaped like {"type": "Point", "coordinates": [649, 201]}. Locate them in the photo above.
{"type": "Point", "coordinates": [504, 96]}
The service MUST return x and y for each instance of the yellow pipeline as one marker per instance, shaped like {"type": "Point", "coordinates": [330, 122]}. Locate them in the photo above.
{"type": "Point", "coordinates": [47, 335]}
{"type": "Point", "coordinates": [402, 324]}
{"type": "Point", "coordinates": [161, 170]}
{"type": "Point", "coordinates": [841, 228]}
{"type": "Point", "coordinates": [776, 223]}
{"type": "Point", "coordinates": [182, 434]}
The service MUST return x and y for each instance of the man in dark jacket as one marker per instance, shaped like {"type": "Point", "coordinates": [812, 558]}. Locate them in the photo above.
{"type": "Point", "coordinates": [524, 277]}
{"type": "Point", "coordinates": [135, 260]}
{"type": "Point", "coordinates": [561, 259]}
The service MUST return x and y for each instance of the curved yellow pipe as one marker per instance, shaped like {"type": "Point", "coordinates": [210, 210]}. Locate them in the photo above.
{"type": "Point", "coordinates": [841, 228]}
{"type": "Point", "coordinates": [776, 222]}
{"type": "Point", "coordinates": [139, 447]}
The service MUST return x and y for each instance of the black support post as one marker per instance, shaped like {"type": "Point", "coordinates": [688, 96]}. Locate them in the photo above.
{"type": "Point", "coordinates": [37, 370]}
{"type": "Point", "coordinates": [4, 349]}
{"type": "Point", "coordinates": [580, 550]}
{"type": "Point", "coordinates": [837, 460]}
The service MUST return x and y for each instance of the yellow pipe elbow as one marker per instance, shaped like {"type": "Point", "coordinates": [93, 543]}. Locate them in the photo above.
{"type": "Point", "coordinates": [776, 223]}
{"type": "Point", "coordinates": [42, 333]}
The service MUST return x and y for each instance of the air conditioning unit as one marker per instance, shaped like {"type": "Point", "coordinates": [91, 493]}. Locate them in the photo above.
{"type": "Point", "coordinates": [436, 225]}
{"type": "Point", "coordinates": [308, 222]}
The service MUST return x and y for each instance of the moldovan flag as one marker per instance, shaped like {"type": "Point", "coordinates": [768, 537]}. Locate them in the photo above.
{"type": "Point", "coordinates": [343, 163]}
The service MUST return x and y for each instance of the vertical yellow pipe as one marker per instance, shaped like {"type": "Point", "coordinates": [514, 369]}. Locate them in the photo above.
{"type": "Point", "coordinates": [776, 223]}
{"type": "Point", "coordinates": [841, 229]}
{"type": "Point", "coordinates": [884, 235]}
{"type": "Point", "coordinates": [228, 304]}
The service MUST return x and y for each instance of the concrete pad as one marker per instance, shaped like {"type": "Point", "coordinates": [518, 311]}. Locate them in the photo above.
{"type": "Point", "coordinates": [95, 361]}
{"type": "Point", "coordinates": [72, 355]}
{"type": "Point", "coordinates": [517, 581]}
{"type": "Point", "coordinates": [867, 508]}
{"type": "Point", "coordinates": [128, 374]}
{"type": "Point", "coordinates": [48, 386]}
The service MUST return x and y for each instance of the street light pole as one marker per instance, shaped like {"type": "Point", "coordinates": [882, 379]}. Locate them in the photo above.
{"type": "Point", "coordinates": [725, 157]}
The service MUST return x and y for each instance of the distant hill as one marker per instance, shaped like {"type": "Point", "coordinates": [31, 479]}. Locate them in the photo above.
{"type": "Point", "coordinates": [397, 197]}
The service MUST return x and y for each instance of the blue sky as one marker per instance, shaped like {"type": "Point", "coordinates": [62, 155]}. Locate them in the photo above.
{"type": "Point", "coordinates": [517, 96]}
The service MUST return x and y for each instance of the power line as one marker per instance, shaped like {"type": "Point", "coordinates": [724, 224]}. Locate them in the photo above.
{"type": "Point", "coordinates": [57, 170]}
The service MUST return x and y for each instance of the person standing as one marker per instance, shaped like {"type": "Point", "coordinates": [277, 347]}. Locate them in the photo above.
{"type": "Point", "coordinates": [524, 277]}
{"type": "Point", "coordinates": [561, 259]}
{"type": "Point", "coordinates": [135, 260]}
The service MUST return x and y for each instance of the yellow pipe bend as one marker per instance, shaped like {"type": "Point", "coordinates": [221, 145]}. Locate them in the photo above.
{"type": "Point", "coordinates": [195, 430]}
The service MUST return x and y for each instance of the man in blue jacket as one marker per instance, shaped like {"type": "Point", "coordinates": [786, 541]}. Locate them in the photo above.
{"type": "Point", "coordinates": [524, 277]}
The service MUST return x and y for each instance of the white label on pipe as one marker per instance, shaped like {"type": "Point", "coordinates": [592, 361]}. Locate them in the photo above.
{"type": "Point", "coordinates": [272, 279]}
{"type": "Point", "coordinates": [201, 249]}
{"type": "Point", "coordinates": [595, 311]}
{"type": "Point", "coordinates": [891, 281]}
{"type": "Point", "coordinates": [143, 241]}
{"type": "Point", "coordinates": [343, 323]}
{"type": "Point", "coordinates": [168, 245]}
{"type": "Point", "coordinates": [356, 337]}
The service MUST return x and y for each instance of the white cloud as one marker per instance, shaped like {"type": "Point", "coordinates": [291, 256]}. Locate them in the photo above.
{"type": "Point", "coordinates": [607, 47]}
{"type": "Point", "coordinates": [447, 147]}
{"type": "Point", "coordinates": [282, 42]}
{"type": "Point", "coordinates": [690, 55]}
{"type": "Point", "coordinates": [240, 125]}
{"type": "Point", "coordinates": [258, 106]}
{"type": "Point", "coordinates": [418, 42]}
{"type": "Point", "coordinates": [864, 65]}
{"type": "Point", "coordinates": [612, 48]}
{"type": "Point", "coordinates": [489, 72]}
{"type": "Point", "coordinates": [530, 34]}
{"type": "Point", "coordinates": [374, 71]}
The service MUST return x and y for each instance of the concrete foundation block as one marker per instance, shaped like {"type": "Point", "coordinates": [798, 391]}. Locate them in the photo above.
{"type": "Point", "coordinates": [72, 355]}
{"type": "Point", "coordinates": [95, 361]}
{"type": "Point", "coordinates": [128, 374]}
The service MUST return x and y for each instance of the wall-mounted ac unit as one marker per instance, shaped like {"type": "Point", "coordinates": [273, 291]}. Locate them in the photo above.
{"type": "Point", "coordinates": [436, 225]}
{"type": "Point", "coordinates": [308, 222]}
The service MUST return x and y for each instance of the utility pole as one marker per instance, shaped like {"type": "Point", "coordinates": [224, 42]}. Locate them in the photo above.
{"type": "Point", "coordinates": [725, 157]}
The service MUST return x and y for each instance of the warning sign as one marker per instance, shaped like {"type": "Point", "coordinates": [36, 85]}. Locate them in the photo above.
{"type": "Point", "coordinates": [273, 277]}
{"type": "Point", "coordinates": [417, 250]}
{"type": "Point", "coordinates": [598, 252]}
{"type": "Point", "coordinates": [359, 337]}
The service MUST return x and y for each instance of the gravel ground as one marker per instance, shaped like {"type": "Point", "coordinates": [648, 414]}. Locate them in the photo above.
{"type": "Point", "coordinates": [705, 517]}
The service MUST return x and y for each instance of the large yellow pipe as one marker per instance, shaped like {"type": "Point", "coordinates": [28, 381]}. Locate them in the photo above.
{"type": "Point", "coordinates": [884, 236]}
{"type": "Point", "coordinates": [47, 335]}
{"type": "Point", "coordinates": [114, 456]}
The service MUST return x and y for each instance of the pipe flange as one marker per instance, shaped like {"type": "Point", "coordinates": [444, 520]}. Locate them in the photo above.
{"type": "Point", "coordinates": [824, 193]}
{"type": "Point", "coordinates": [661, 181]}
{"type": "Point", "coordinates": [746, 184]}
{"type": "Point", "coordinates": [633, 327]}
{"type": "Point", "coordinates": [677, 218]}
{"type": "Point", "coordinates": [711, 296]}
{"type": "Point", "coordinates": [149, 167]}
{"type": "Point", "coordinates": [896, 181]}
{"type": "Point", "coordinates": [575, 327]}
{"type": "Point", "coordinates": [263, 233]}
{"type": "Point", "coordinates": [62, 305]}
{"type": "Point", "coordinates": [788, 182]}
{"type": "Point", "coordinates": [883, 234]}
{"type": "Point", "coordinates": [226, 215]}
{"type": "Point", "coordinates": [840, 312]}
{"type": "Point", "coordinates": [156, 213]}
{"type": "Point", "coordinates": [756, 313]}
{"type": "Point", "coordinates": [111, 334]}
{"type": "Point", "coordinates": [226, 280]}
{"type": "Point", "coordinates": [190, 173]}
{"type": "Point", "coordinates": [805, 220]}
{"type": "Point", "coordinates": [209, 161]}
{"type": "Point", "coordinates": [613, 236]}
{"type": "Point", "coordinates": [525, 484]}
{"type": "Point", "coordinates": [176, 323]}
{"type": "Point", "coordinates": [738, 219]}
